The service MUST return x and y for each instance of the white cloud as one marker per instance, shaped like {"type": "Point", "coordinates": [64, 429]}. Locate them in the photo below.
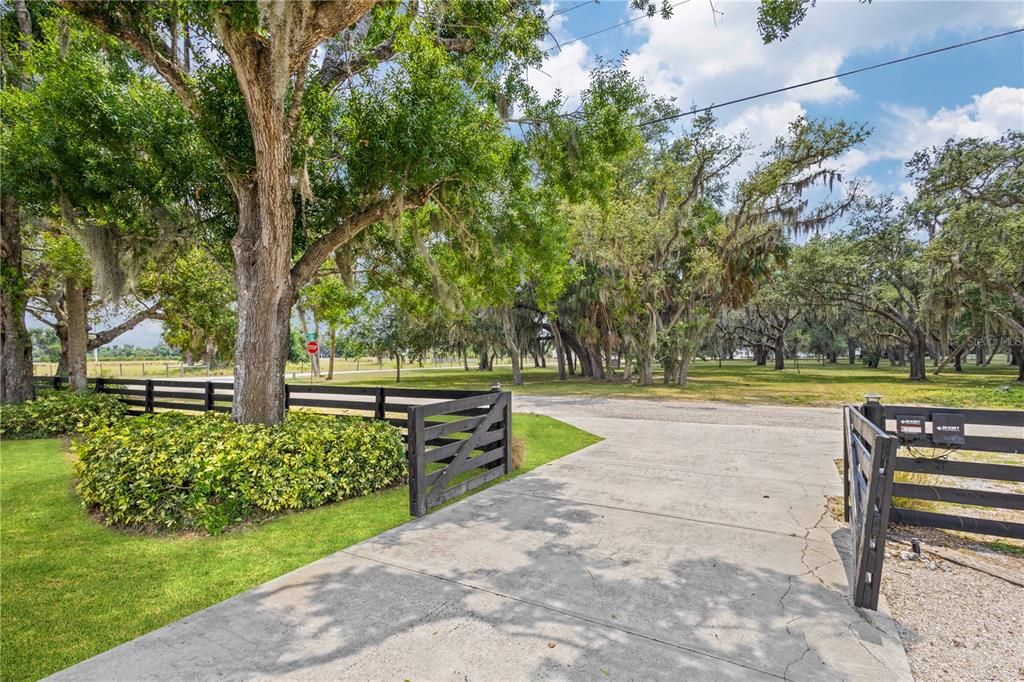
{"type": "Point", "coordinates": [703, 58]}
{"type": "Point", "coordinates": [568, 70]}
{"type": "Point", "coordinates": [908, 129]}
{"type": "Point", "coordinates": [761, 123]}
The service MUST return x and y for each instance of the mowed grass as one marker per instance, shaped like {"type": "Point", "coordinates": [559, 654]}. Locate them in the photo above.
{"type": "Point", "coordinates": [740, 381]}
{"type": "Point", "coordinates": [72, 588]}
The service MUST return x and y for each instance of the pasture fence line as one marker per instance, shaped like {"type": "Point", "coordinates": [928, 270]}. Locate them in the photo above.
{"type": "Point", "coordinates": [456, 440]}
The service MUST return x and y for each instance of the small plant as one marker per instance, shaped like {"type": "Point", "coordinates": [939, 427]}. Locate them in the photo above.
{"type": "Point", "coordinates": [58, 413]}
{"type": "Point", "coordinates": [175, 471]}
{"type": "Point", "coordinates": [518, 452]}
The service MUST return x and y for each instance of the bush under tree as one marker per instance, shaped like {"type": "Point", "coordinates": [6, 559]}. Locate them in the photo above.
{"type": "Point", "coordinates": [174, 471]}
{"type": "Point", "coordinates": [59, 413]}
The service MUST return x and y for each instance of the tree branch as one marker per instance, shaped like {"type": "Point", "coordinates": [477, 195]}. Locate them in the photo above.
{"type": "Point", "coordinates": [104, 337]}
{"type": "Point", "coordinates": [153, 48]}
{"type": "Point", "coordinates": [346, 230]}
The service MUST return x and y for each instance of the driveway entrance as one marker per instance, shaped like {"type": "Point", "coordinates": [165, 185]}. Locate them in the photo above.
{"type": "Point", "coordinates": [692, 543]}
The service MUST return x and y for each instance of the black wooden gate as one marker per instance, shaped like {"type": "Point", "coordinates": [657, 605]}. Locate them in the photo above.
{"type": "Point", "coordinates": [868, 467]}
{"type": "Point", "coordinates": [457, 445]}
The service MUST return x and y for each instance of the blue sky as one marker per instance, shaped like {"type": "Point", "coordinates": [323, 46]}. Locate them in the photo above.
{"type": "Point", "coordinates": [701, 57]}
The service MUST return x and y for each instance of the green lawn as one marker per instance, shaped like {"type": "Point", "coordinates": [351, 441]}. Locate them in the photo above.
{"type": "Point", "coordinates": [742, 381]}
{"type": "Point", "coordinates": [72, 588]}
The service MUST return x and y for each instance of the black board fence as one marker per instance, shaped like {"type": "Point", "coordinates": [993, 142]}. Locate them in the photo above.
{"type": "Point", "coordinates": [956, 425]}
{"type": "Point", "coordinates": [868, 464]}
{"type": "Point", "coordinates": [449, 434]}
{"type": "Point", "coordinates": [873, 437]}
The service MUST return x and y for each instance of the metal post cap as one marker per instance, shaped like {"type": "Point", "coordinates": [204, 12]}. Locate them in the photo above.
{"type": "Point", "coordinates": [873, 397]}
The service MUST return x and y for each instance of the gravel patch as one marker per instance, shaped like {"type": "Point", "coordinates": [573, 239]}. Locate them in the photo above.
{"type": "Point", "coordinates": [956, 623]}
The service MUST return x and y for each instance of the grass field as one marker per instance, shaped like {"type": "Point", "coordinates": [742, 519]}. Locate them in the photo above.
{"type": "Point", "coordinates": [73, 588]}
{"type": "Point", "coordinates": [741, 381]}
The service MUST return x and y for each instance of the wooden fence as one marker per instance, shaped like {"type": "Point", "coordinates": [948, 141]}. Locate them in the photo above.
{"type": "Point", "coordinates": [959, 422]}
{"type": "Point", "coordinates": [869, 458]}
{"type": "Point", "coordinates": [454, 466]}
{"type": "Point", "coordinates": [449, 434]}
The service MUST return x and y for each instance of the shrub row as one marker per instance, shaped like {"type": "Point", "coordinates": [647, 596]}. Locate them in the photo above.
{"type": "Point", "coordinates": [57, 413]}
{"type": "Point", "coordinates": [177, 471]}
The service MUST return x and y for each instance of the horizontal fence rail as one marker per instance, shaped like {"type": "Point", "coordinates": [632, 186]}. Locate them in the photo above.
{"type": "Point", "coordinates": [456, 440]}
{"type": "Point", "coordinates": [1011, 421]}
{"type": "Point", "coordinates": [868, 462]}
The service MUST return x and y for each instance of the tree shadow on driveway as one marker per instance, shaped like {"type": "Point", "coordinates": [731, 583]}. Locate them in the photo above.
{"type": "Point", "coordinates": [510, 586]}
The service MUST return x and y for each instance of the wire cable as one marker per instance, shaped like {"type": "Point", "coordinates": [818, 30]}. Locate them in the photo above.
{"type": "Point", "coordinates": [559, 46]}
{"type": "Point", "coordinates": [569, 9]}
{"type": "Point", "coordinates": [947, 48]}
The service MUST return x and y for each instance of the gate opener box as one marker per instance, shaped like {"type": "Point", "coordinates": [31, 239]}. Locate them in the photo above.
{"type": "Point", "coordinates": [909, 425]}
{"type": "Point", "coordinates": [948, 428]}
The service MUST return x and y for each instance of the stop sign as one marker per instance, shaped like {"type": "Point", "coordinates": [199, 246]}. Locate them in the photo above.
{"type": "Point", "coordinates": [312, 347]}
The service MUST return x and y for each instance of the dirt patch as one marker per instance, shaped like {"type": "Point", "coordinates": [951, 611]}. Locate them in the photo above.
{"type": "Point", "coordinates": [956, 623]}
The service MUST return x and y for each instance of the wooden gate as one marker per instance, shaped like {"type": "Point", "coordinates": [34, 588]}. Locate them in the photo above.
{"type": "Point", "coordinates": [456, 446]}
{"type": "Point", "coordinates": [868, 467]}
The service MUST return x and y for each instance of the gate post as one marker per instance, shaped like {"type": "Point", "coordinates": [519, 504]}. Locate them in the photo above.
{"type": "Point", "coordinates": [417, 466]}
{"type": "Point", "coordinates": [507, 417]}
{"type": "Point", "coordinates": [149, 395]}
{"type": "Point", "coordinates": [873, 410]}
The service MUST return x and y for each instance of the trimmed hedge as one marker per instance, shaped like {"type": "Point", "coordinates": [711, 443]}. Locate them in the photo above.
{"type": "Point", "coordinates": [57, 413]}
{"type": "Point", "coordinates": [176, 471]}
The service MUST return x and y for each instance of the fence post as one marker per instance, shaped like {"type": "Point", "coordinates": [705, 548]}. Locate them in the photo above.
{"type": "Point", "coordinates": [208, 402]}
{"type": "Point", "coordinates": [99, 384]}
{"type": "Point", "coordinates": [846, 464]}
{"type": "Point", "coordinates": [508, 432]}
{"type": "Point", "coordinates": [287, 397]}
{"type": "Point", "coordinates": [56, 382]}
{"type": "Point", "coordinates": [417, 465]}
{"type": "Point", "coordinates": [873, 410]}
{"type": "Point", "coordinates": [149, 395]}
{"type": "Point", "coordinates": [378, 408]}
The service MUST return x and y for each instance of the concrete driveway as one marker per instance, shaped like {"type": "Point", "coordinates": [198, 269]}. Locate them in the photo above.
{"type": "Point", "coordinates": [692, 543]}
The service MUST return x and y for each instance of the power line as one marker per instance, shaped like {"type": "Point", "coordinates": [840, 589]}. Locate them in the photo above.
{"type": "Point", "coordinates": [828, 78]}
{"type": "Point", "coordinates": [569, 9]}
{"type": "Point", "coordinates": [559, 46]}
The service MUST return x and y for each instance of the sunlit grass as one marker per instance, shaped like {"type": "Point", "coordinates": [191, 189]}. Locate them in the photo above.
{"type": "Point", "coordinates": [741, 381]}
{"type": "Point", "coordinates": [73, 588]}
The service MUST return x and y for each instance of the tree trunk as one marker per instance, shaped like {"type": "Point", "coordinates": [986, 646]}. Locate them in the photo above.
{"type": "Point", "coordinates": [74, 303]}
{"type": "Point", "coordinates": [609, 370]}
{"type": "Point", "coordinates": [334, 342]}
{"type": "Point", "coordinates": [917, 357]}
{"type": "Point", "coordinates": [851, 352]}
{"type": "Point", "coordinates": [512, 344]}
{"type": "Point", "coordinates": [556, 334]}
{"type": "Point", "coordinates": [398, 368]}
{"type": "Point", "coordinates": [684, 369]}
{"type": "Point", "coordinates": [645, 366]}
{"type": "Point", "coordinates": [15, 343]}
{"type": "Point", "coordinates": [779, 349]}
{"type": "Point", "coordinates": [465, 359]}
{"type": "Point", "coordinates": [594, 360]}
